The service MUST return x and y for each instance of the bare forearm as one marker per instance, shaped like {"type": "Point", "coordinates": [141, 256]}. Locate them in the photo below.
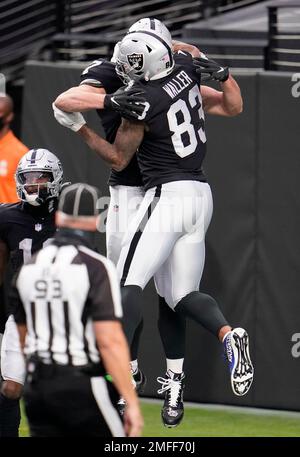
{"type": "Point", "coordinates": [181, 46]}
{"type": "Point", "coordinates": [232, 98]}
{"type": "Point", "coordinates": [76, 100]}
{"type": "Point", "coordinates": [103, 148]}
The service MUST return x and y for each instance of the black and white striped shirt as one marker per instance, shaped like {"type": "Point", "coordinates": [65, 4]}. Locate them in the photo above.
{"type": "Point", "coordinates": [59, 294]}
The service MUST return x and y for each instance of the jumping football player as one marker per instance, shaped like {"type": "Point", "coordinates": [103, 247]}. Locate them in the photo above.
{"type": "Point", "coordinates": [171, 142]}
{"type": "Point", "coordinates": [127, 193]}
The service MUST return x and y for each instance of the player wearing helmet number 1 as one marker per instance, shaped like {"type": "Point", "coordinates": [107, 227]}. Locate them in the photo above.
{"type": "Point", "coordinates": [25, 227]}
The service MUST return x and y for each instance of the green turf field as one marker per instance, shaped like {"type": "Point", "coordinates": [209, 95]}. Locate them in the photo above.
{"type": "Point", "coordinates": [200, 422]}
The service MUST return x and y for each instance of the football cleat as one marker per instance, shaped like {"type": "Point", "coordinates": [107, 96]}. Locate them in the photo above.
{"type": "Point", "coordinates": [139, 381]}
{"type": "Point", "coordinates": [121, 405]}
{"type": "Point", "coordinates": [173, 410]}
{"type": "Point", "coordinates": [236, 346]}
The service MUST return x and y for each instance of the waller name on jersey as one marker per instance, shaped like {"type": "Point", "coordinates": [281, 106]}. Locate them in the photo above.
{"type": "Point", "coordinates": [177, 84]}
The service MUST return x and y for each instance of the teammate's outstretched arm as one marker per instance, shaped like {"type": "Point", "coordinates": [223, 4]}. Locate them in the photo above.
{"type": "Point", "coordinates": [81, 98]}
{"type": "Point", "coordinates": [129, 102]}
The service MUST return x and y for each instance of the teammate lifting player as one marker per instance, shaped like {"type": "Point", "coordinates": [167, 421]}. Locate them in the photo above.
{"type": "Point", "coordinates": [171, 141]}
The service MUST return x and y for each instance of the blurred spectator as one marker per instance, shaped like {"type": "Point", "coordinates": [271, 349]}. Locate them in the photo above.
{"type": "Point", "coordinates": [11, 150]}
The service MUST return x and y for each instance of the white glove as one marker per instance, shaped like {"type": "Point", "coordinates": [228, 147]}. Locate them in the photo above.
{"type": "Point", "coordinates": [73, 121]}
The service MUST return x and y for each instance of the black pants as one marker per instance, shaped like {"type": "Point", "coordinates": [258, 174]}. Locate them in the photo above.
{"type": "Point", "coordinates": [63, 401]}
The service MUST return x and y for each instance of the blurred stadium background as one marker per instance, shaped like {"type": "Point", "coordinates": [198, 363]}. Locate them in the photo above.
{"type": "Point", "coordinates": [253, 165]}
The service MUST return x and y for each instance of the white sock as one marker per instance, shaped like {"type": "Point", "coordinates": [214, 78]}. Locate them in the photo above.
{"type": "Point", "coordinates": [175, 365]}
{"type": "Point", "coordinates": [225, 336]}
{"type": "Point", "coordinates": [134, 366]}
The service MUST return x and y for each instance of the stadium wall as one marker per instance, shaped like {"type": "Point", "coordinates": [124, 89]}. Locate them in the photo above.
{"type": "Point", "coordinates": [253, 246]}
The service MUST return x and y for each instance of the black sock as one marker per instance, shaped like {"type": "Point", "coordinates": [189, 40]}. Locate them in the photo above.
{"type": "Point", "coordinates": [132, 310]}
{"type": "Point", "coordinates": [10, 417]}
{"type": "Point", "coordinates": [203, 309]}
{"type": "Point", "coordinates": [172, 331]}
{"type": "Point", "coordinates": [134, 348]}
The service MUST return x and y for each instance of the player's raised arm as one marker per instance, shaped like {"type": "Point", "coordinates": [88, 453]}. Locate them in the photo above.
{"type": "Point", "coordinates": [182, 46]}
{"type": "Point", "coordinates": [81, 98]}
{"type": "Point", "coordinates": [90, 93]}
{"type": "Point", "coordinates": [128, 102]}
{"type": "Point", "coordinates": [227, 102]}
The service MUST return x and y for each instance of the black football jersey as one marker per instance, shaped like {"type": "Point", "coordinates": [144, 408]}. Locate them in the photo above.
{"type": "Point", "coordinates": [101, 73]}
{"type": "Point", "coordinates": [174, 143]}
{"type": "Point", "coordinates": [25, 229]}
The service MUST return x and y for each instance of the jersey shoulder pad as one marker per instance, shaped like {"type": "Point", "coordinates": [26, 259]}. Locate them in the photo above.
{"type": "Point", "coordinates": [184, 60]}
{"type": "Point", "coordinates": [8, 208]}
{"type": "Point", "coordinates": [7, 216]}
{"type": "Point", "coordinates": [100, 73]}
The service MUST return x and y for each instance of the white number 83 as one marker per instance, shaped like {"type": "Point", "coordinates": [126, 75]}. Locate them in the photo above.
{"type": "Point", "coordinates": [186, 126]}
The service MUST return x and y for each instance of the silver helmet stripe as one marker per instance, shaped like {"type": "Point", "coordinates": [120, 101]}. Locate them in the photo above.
{"type": "Point", "coordinates": [152, 24]}
{"type": "Point", "coordinates": [33, 156]}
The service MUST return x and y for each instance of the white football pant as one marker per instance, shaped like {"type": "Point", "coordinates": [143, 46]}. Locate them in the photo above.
{"type": "Point", "coordinates": [166, 238]}
{"type": "Point", "coordinates": [12, 360]}
{"type": "Point", "coordinates": [123, 206]}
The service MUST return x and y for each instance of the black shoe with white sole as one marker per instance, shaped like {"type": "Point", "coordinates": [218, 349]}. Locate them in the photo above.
{"type": "Point", "coordinates": [139, 382]}
{"type": "Point", "coordinates": [173, 408]}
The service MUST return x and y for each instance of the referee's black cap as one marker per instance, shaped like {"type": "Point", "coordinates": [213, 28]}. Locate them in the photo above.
{"type": "Point", "coordinates": [79, 199]}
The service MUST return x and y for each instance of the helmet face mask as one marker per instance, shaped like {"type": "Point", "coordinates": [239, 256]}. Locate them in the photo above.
{"type": "Point", "coordinates": [142, 55]}
{"type": "Point", "coordinates": [122, 68]}
{"type": "Point", "coordinates": [38, 177]}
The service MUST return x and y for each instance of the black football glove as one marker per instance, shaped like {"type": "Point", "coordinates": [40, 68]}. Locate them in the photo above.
{"type": "Point", "coordinates": [210, 69]}
{"type": "Point", "coordinates": [129, 103]}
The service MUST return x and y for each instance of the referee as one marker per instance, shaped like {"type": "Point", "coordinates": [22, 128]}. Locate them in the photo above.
{"type": "Point", "coordinates": [68, 308]}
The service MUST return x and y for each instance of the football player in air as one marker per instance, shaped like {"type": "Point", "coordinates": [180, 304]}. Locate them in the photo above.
{"type": "Point", "coordinates": [171, 147]}
{"type": "Point", "coordinates": [25, 227]}
{"type": "Point", "coordinates": [127, 192]}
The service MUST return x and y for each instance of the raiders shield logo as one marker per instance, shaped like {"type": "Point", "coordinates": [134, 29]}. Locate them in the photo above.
{"type": "Point", "coordinates": [38, 227]}
{"type": "Point", "coordinates": [136, 61]}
